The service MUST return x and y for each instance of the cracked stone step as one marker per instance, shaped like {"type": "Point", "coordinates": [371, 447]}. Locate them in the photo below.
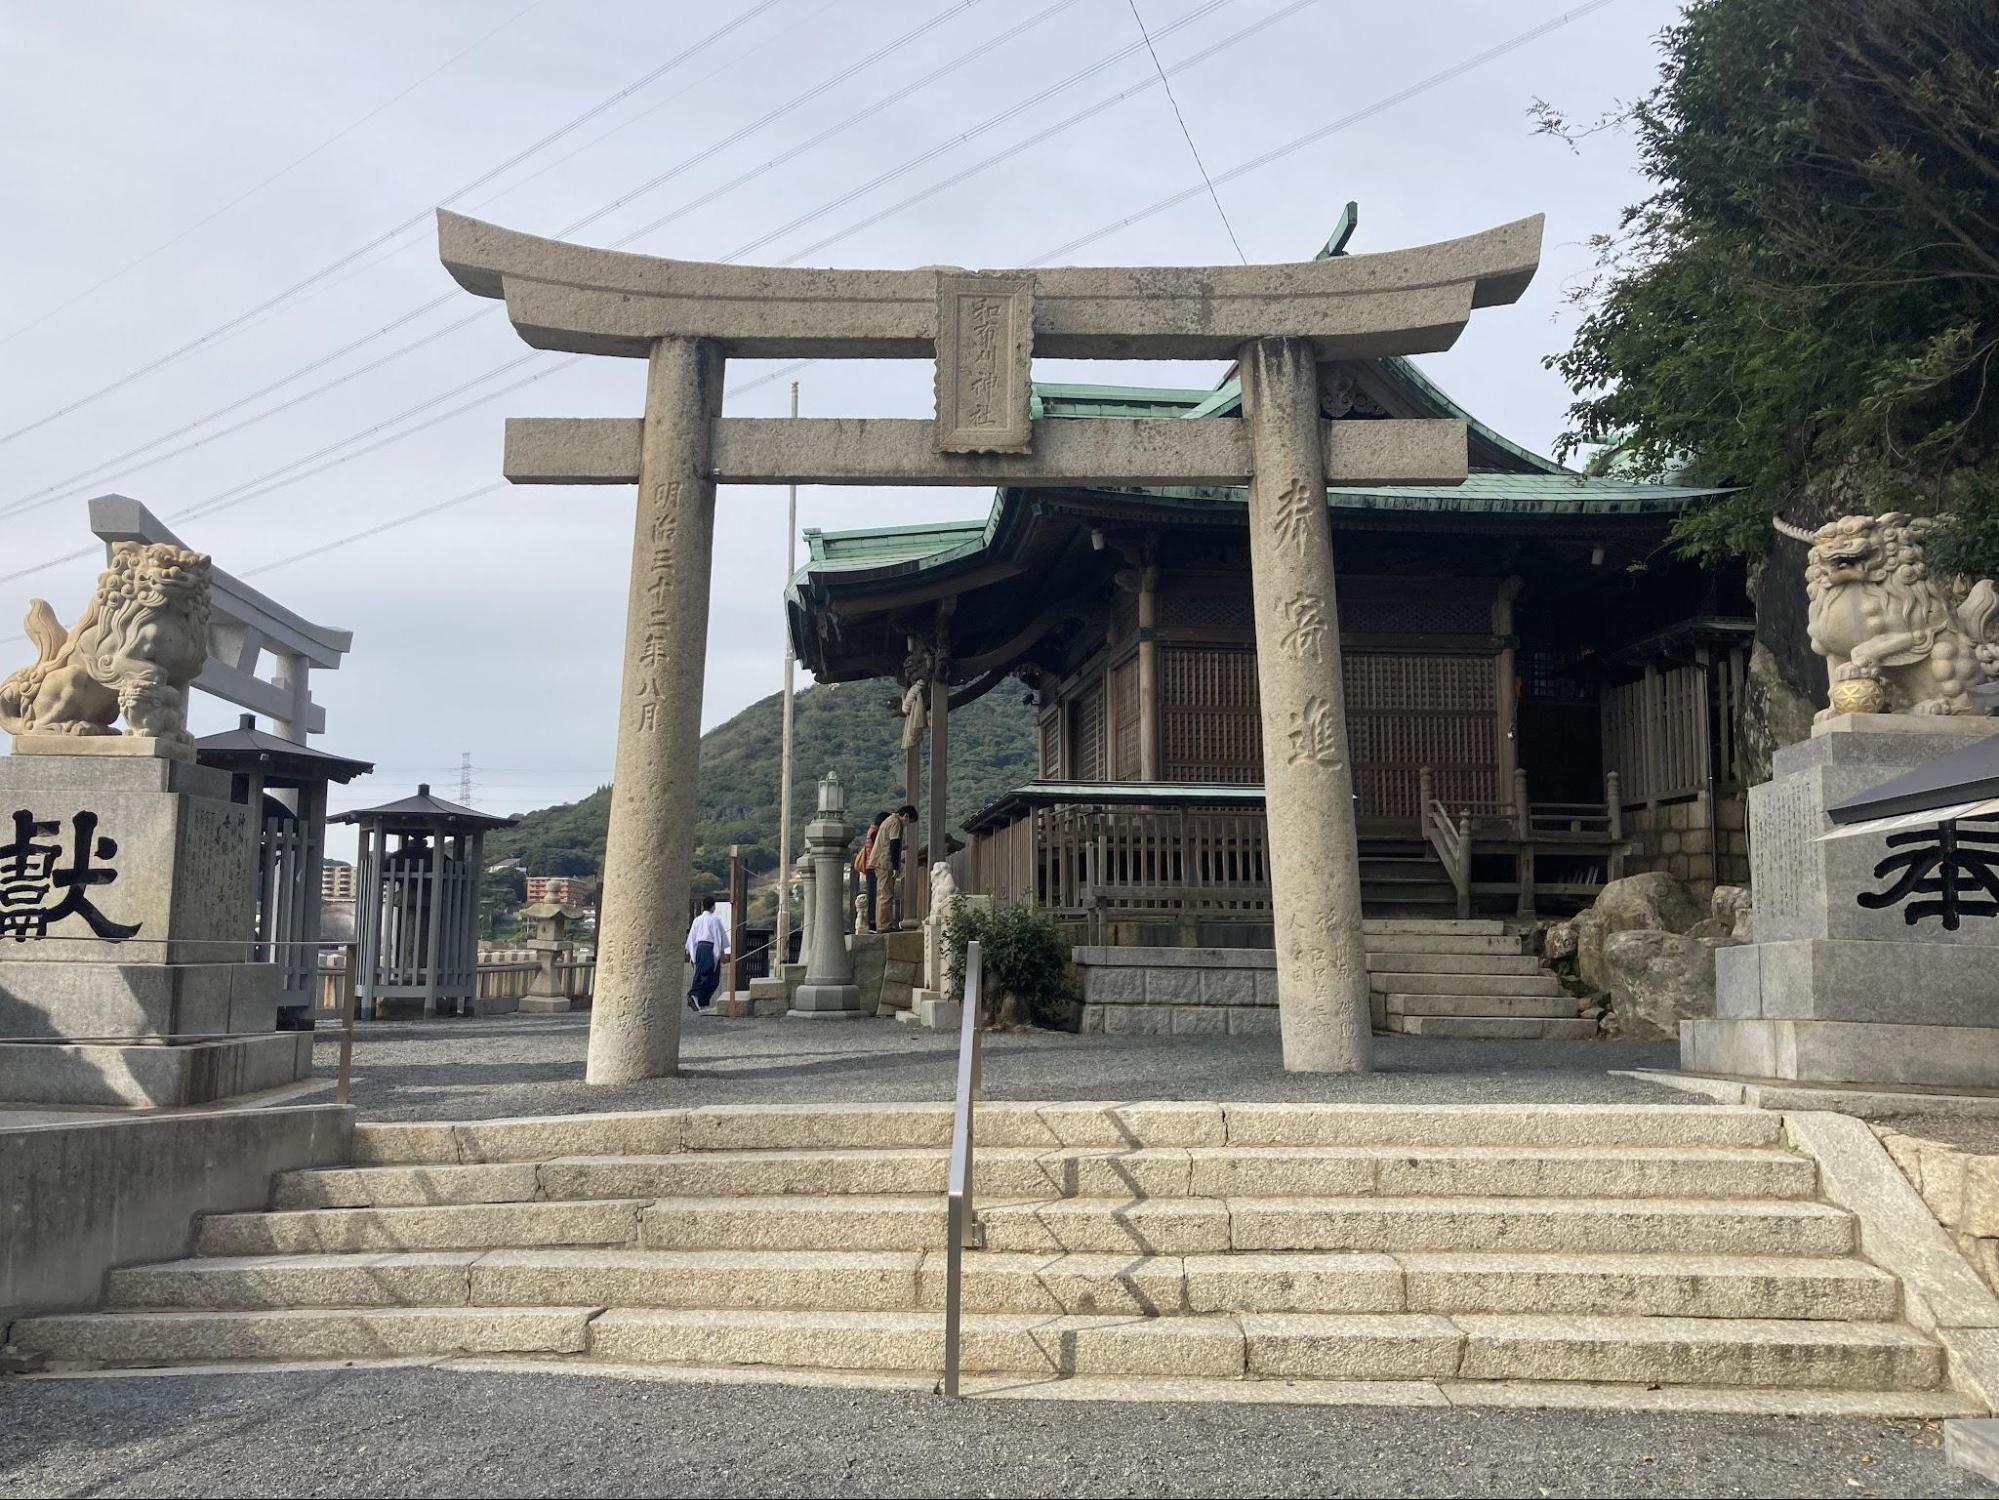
{"type": "Point", "coordinates": [1284, 1171]}
{"type": "Point", "coordinates": [1484, 1125]}
{"type": "Point", "coordinates": [1048, 1126]}
{"type": "Point", "coordinates": [165, 1338]}
{"type": "Point", "coordinates": [1030, 1343]}
{"type": "Point", "coordinates": [1661, 1285]}
{"type": "Point", "coordinates": [1576, 1225]}
{"type": "Point", "coordinates": [856, 1222]}
{"type": "Point", "coordinates": [443, 1227]}
{"type": "Point", "coordinates": [1700, 1351]}
{"type": "Point", "coordinates": [1670, 1285]}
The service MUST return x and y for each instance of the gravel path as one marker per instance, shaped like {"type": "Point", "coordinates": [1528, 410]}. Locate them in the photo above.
{"type": "Point", "coordinates": [524, 1065]}
{"type": "Point", "coordinates": [429, 1432]}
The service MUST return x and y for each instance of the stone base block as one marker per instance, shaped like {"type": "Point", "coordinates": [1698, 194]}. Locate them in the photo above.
{"type": "Point", "coordinates": [99, 746]}
{"type": "Point", "coordinates": [826, 1002]}
{"type": "Point", "coordinates": [1912, 983]}
{"type": "Point", "coordinates": [542, 1005]}
{"type": "Point", "coordinates": [97, 999]}
{"type": "Point", "coordinates": [155, 1077]}
{"type": "Point", "coordinates": [937, 1013]}
{"type": "Point", "coordinates": [1944, 1057]}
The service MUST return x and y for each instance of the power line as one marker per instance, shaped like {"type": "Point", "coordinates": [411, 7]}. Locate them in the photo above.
{"type": "Point", "coordinates": [230, 498]}
{"type": "Point", "coordinates": [1188, 135]}
{"type": "Point", "coordinates": [327, 270]}
{"type": "Point", "coordinates": [96, 474]}
{"type": "Point", "coordinates": [1256, 163]}
{"type": "Point", "coordinates": [251, 192]}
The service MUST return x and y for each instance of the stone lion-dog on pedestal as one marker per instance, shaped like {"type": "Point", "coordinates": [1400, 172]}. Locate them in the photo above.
{"type": "Point", "coordinates": [142, 640]}
{"type": "Point", "coordinates": [1895, 638]}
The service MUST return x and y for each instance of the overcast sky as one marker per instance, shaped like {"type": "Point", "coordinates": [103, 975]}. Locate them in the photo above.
{"type": "Point", "coordinates": [170, 168]}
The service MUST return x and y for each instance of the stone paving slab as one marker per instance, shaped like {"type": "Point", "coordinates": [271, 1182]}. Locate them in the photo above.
{"type": "Point", "coordinates": [515, 1066]}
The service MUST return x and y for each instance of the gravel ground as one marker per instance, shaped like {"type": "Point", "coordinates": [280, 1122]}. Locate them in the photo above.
{"type": "Point", "coordinates": [429, 1432]}
{"type": "Point", "coordinates": [1977, 1133]}
{"type": "Point", "coordinates": [470, 1069]}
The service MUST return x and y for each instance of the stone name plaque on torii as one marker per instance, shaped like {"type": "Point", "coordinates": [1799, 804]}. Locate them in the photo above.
{"type": "Point", "coordinates": [983, 330]}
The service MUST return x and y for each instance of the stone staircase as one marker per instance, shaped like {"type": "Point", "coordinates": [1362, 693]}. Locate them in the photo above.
{"type": "Point", "coordinates": [1438, 976]}
{"type": "Point", "coordinates": [1628, 1249]}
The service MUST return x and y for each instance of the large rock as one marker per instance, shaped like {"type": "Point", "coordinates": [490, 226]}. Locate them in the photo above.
{"type": "Point", "coordinates": [1652, 902]}
{"type": "Point", "coordinates": [1657, 980]}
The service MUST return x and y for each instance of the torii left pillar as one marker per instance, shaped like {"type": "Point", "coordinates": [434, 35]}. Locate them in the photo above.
{"type": "Point", "coordinates": [635, 1009]}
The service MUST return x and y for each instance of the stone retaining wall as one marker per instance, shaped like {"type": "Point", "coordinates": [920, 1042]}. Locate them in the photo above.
{"type": "Point", "coordinates": [1178, 991]}
{"type": "Point", "coordinates": [77, 1198]}
{"type": "Point", "coordinates": [1961, 1188]}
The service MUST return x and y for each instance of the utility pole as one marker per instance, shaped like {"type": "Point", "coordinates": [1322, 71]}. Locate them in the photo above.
{"type": "Point", "coordinates": [465, 777]}
{"type": "Point", "coordinates": [782, 946]}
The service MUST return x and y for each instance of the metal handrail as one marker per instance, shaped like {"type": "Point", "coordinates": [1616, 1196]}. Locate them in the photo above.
{"type": "Point", "coordinates": [962, 1229]}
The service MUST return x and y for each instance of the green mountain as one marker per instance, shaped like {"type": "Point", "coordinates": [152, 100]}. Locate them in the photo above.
{"type": "Point", "coordinates": [844, 727]}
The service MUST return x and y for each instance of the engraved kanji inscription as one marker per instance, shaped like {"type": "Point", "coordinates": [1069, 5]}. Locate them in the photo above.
{"type": "Point", "coordinates": [1953, 870]}
{"type": "Point", "coordinates": [1291, 514]}
{"type": "Point", "coordinates": [32, 873]}
{"type": "Point", "coordinates": [1315, 735]}
{"type": "Point", "coordinates": [1304, 632]}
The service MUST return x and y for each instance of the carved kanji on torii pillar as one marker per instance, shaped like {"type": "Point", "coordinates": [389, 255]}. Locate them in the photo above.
{"type": "Point", "coordinates": [983, 329]}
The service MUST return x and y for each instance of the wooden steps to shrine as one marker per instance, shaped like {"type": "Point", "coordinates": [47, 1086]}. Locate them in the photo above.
{"type": "Point", "coordinates": [1668, 1253]}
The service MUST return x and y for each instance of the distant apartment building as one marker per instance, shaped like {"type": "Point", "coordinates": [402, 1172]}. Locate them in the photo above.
{"type": "Point", "coordinates": [336, 880]}
{"type": "Point", "coordinates": [570, 890]}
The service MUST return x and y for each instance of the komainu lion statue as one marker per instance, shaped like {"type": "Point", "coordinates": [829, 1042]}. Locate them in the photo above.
{"type": "Point", "coordinates": [1895, 639]}
{"type": "Point", "coordinates": [142, 639]}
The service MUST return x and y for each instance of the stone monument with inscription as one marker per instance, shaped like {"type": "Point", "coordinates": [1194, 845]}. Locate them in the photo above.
{"type": "Point", "coordinates": [129, 971]}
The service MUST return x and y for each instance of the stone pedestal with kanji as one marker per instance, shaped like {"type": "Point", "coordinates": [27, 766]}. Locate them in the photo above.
{"type": "Point", "coordinates": [1833, 990]}
{"type": "Point", "coordinates": [129, 970]}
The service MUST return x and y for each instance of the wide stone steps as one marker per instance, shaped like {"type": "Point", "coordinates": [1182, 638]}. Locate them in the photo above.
{"type": "Point", "coordinates": [1708, 1352]}
{"type": "Point", "coordinates": [1788, 1287]}
{"type": "Point", "coordinates": [1137, 1226]}
{"type": "Point", "coordinates": [1146, 1172]}
{"type": "Point", "coordinates": [1520, 1249]}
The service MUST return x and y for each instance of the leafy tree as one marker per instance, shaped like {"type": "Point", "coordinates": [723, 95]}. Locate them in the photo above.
{"type": "Point", "coordinates": [1807, 305]}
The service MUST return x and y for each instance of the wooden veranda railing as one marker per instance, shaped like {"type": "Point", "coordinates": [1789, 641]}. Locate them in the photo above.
{"type": "Point", "coordinates": [1095, 864]}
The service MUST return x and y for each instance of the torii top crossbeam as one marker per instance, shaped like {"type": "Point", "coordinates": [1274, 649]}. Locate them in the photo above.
{"type": "Point", "coordinates": [983, 328]}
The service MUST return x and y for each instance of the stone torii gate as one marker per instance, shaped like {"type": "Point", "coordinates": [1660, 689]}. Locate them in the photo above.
{"type": "Point", "coordinates": [1279, 322]}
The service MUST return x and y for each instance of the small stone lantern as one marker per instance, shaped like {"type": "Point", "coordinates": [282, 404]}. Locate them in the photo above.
{"type": "Point", "coordinates": [549, 944]}
{"type": "Point", "coordinates": [829, 992]}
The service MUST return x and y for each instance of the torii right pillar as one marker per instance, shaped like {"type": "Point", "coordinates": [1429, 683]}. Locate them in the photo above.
{"type": "Point", "coordinates": [1322, 985]}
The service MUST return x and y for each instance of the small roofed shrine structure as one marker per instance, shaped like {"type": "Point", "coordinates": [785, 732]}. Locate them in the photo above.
{"type": "Point", "coordinates": [416, 906]}
{"type": "Point", "coordinates": [1539, 697]}
{"type": "Point", "coordinates": [286, 782]}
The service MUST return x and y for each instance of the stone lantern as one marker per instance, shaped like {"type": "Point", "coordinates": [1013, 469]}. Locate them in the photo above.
{"type": "Point", "coordinates": [829, 992]}
{"type": "Point", "coordinates": [549, 944]}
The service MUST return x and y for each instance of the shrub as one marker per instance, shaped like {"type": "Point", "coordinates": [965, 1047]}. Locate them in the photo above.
{"type": "Point", "coordinates": [1025, 956]}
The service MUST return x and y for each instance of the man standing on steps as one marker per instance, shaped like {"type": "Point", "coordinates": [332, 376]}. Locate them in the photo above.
{"type": "Point", "coordinates": [707, 946]}
{"type": "Point", "coordinates": [886, 861]}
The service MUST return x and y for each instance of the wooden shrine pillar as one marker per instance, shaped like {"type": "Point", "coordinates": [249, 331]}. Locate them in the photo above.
{"type": "Point", "coordinates": [1149, 745]}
